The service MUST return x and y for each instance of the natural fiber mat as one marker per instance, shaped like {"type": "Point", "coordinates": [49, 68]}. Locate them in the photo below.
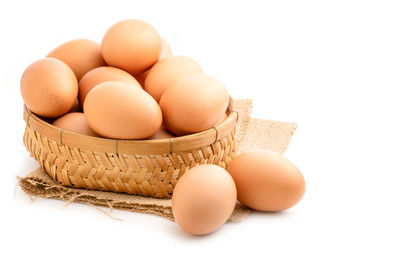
{"type": "Point", "coordinates": [251, 134]}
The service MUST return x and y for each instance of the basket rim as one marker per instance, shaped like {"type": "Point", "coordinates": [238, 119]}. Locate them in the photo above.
{"type": "Point", "coordinates": [123, 146]}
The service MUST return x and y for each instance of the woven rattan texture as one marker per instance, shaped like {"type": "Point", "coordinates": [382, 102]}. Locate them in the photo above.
{"type": "Point", "coordinates": [147, 175]}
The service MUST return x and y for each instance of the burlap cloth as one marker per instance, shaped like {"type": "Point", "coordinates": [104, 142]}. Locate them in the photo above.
{"type": "Point", "coordinates": [251, 134]}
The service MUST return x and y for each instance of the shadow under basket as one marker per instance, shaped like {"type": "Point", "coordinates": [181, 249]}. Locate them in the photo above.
{"type": "Point", "coordinates": [142, 167]}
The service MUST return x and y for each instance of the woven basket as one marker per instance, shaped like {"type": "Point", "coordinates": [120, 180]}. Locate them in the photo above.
{"type": "Point", "coordinates": [143, 167]}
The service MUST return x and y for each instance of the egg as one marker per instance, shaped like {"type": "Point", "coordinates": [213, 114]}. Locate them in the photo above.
{"type": "Point", "coordinates": [193, 104]}
{"type": "Point", "coordinates": [74, 122]}
{"type": "Point", "coordinates": [122, 111]}
{"type": "Point", "coordinates": [165, 52]}
{"type": "Point", "coordinates": [132, 45]}
{"type": "Point", "coordinates": [162, 133]}
{"type": "Point", "coordinates": [168, 71]}
{"type": "Point", "coordinates": [81, 55]}
{"type": "Point", "coordinates": [141, 77]}
{"type": "Point", "coordinates": [49, 87]}
{"type": "Point", "coordinates": [203, 199]}
{"type": "Point", "coordinates": [266, 181]}
{"type": "Point", "coordinates": [100, 75]}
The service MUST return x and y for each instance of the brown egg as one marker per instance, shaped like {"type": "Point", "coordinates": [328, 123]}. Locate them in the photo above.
{"type": "Point", "coordinates": [122, 111]}
{"type": "Point", "coordinates": [132, 45]}
{"type": "Point", "coordinates": [266, 181]}
{"type": "Point", "coordinates": [221, 120]}
{"type": "Point", "coordinates": [141, 77]}
{"type": "Point", "coordinates": [203, 199]}
{"type": "Point", "coordinates": [165, 52]}
{"type": "Point", "coordinates": [168, 71]}
{"type": "Point", "coordinates": [49, 87]}
{"type": "Point", "coordinates": [162, 133]}
{"type": "Point", "coordinates": [194, 104]}
{"type": "Point", "coordinates": [100, 75]}
{"type": "Point", "coordinates": [81, 55]}
{"type": "Point", "coordinates": [74, 122]}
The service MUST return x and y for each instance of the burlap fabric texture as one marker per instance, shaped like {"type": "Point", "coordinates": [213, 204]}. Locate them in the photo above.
{"type": "Point", "coordinates": [251, 134]}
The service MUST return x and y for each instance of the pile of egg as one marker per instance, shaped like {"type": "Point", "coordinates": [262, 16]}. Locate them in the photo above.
{"type": "Point", "coordinates": [131, 87]}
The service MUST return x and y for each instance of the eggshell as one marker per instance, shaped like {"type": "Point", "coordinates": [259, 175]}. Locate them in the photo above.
{"type": "Point", "coordinates": [132, 45]}
{"type": "Point", "coordinates": [168, 71]}
{"type": "Point", "coordinates": [74, 122]}
{"type": "Point", "coordinates": [141, 77]}
{"type": "Point", "coordinates": [165, 52]}
{"type": "Point", "coordinates": [162, 133]}
{"type": "Point", "coordinates": [100, 75]}
{"type": "Point", "coordinates": [266, 181]}
{"type": "Point", "coordinates": [49, 87]}
{"type": "Point", "coordinates": [193, 104]}
{"type": "Point", "coordinates": [81, 55]}
{"type": "Point", "coordinates": [203, 199]}
{"type": "Point", "coordinates": [122, 111]}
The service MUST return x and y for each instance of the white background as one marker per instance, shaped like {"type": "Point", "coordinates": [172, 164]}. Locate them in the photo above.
{"type": "Point", "coordinates": [331, 66]}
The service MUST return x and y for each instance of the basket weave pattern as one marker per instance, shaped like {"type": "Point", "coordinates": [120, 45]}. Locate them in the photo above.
{"type": "Point", "coordinates": [147, 174]}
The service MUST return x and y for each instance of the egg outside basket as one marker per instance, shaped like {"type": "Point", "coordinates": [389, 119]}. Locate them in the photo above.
{"type": "Point", "coordinates": [143, 167]}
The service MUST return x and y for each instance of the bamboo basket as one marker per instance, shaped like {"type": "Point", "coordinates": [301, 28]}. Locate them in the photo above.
{"type": "Point", "coordinates": [142, 167]}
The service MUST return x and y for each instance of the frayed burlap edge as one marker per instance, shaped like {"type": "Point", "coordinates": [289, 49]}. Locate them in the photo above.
{"type": "Point", "coordinates": [39, 184]}
{"type": "Point", "coordinates": [251, 134]}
